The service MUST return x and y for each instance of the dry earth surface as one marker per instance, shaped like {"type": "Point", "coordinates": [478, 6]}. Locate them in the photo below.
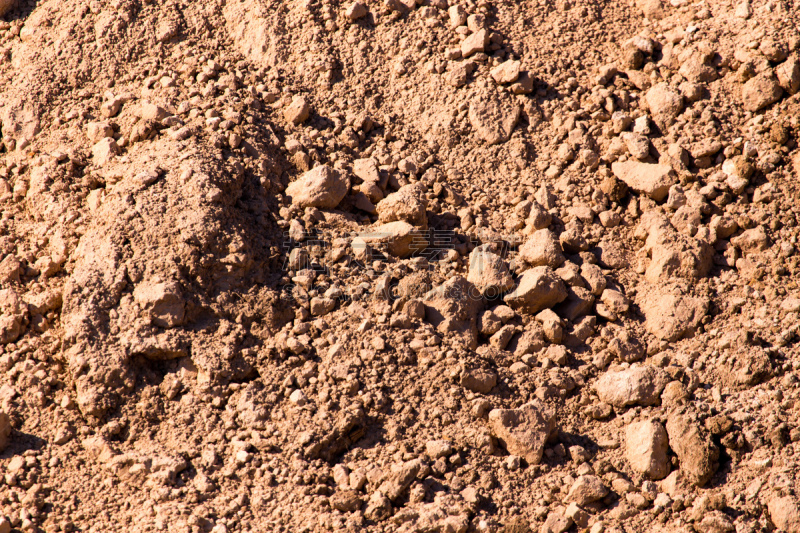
{"type": "Point", "coordinates": [444, 266]}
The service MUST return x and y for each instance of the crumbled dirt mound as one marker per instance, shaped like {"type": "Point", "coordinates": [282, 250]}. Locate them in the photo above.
{"type": "Point", "coordinates": [432, 266]}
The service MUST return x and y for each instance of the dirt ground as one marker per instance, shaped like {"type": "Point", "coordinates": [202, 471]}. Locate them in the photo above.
{"type": "Point", "coordinates": [446, 266]}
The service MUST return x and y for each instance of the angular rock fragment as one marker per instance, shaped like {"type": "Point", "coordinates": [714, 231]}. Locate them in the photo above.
{"type": "Point", "coordinates": [355, 11]}
{"type": "Point", "coordinates": [163, 301]}
{"type": "Point", "coordinates": [321, 187]}
{"type": "Point", "coordinates": [479, 380]}
{"type": "Point", "coordinates": [579, 302]}
{"type": "Point", "coordinates": [489, 272]}
{"type": "Point", "coordinates": [693, 446]}
{"type": "Point", "coordinates": [654, 180]}
{"type": "Point", "coordinates": [538, 288]}
{"type": "Point", "coordinates": [5, 430]}
{"type": "Point", "coordinates": [399, 478]}
{"type": "Point", "coordinates": [673, 254]}
{"type": "Point", "coordinates": [12, 314]}
{"type": "Point", "coordinates": [453, 308]}
{"type": "Point", "coordinates": [542, 249]}
{"type": "Point", "coordinates": [664, 102]}
{"type": "Point", "coordinates": [640, 385]}
{"type": "Point", "coordinates": [788, 74]}
{"type": "Point", "coordinates": [493, 119]}
{"type": "Point", "coordinates": [506, 72]}
{"type": "Point", "coordinates": [298, 111]}
{"type": "Point", "coordinates": [761, 91]}
{"type": "Point", "coordinates": [399, 239]}
{"type": "Point", "coordinates": [477, 42]}
{"type": "Point", "coordinates": [524, 431]}
{"type": "Point", "coordinates": [586, 489]}
{"type": "Point", "coordinates": [104, 151]}
{"type": "Point", "coordinates": [671, 316]}
{"type": "Point", "coordinates": [785, 513]}
{"type": "Point", "coordinates": [407, 204]}
{"type": "Point", "coordinates": [646, 445]}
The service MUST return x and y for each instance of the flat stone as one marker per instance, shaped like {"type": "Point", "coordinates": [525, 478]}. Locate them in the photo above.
{"type": "Point", "coordinates": [506, 72]}
{"type": "Point", "coordinates": [298, 111]}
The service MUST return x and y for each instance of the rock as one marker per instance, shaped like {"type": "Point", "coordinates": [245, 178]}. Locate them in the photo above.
{"type": "Point", "coordinates": [626, 347]}
{"type": "Point", "coordinates": [163, 301]}
{"type": "Point", "coordinates": [738, 171]}
{"type": "Point", "coordinates": [715, 522]}
{"type": "Point", "coordinates": [638, 145]}
{"type": "Point", "coordinates": [788, 74]}
{"type": "Point", "coordinates": [151, 111]}
{"type": "Point", "coordinates": [298, 111]}
{"type": "Point", "coordinates": [12, 314]}
{"type": "Point", "coordinates": [104, 151]}
{"type": "Point", "coordinates": [693, 446]}
{"type": "Point", "coordinates": [97, 131]}
{"type": "Point", "coordinates": [346, 501]}
{"type": "Point", "coordinates": [542, 249]}
{"type": "Point", "coordinates": [489, 272]}
{"type": "Point", "coordinates": [506, 72]}
{"type": "Point", "coordinates": [673, 254]}
{"type": "Point", "coordinates": [367, 170]}
{"type": "Point", "coordinates": [761, 91]}
{"type": "Point", "coordinates": [438, 448]}
{"type": "Point", "coordinates": [479, 380]}
{"type": "Point", "coordinates": [579, 302]}
{"type": "Point", "coordinates": [322, 306]}
{"type": "Point", "coordinates": [671, 316]}
{"type": "Point", "coordinates": [321, 187]}
{"type": "Point", "coordinates": [785, 514]}
{"type": "Point", "coordinates": [378, 507]}
{"type": "Point", "coordinates": [10, 269]}
{"type": "Point", "coordinates": [493, 119]}
{"type": "Point", "coordinates": [646, 445]}
{"type": "Point", "coordinates": [356, 11]}
{"type": "Point", "coordinates": [654, 180]}
{"type": "Point", "coordinates": [640, 385]}
{"type": "Point", "coordinates": [555, 523]}
{"type": "Point", "coordinates": [552, 326]}
{"type": "Point", "coordinates": [399, 239]}
{"type": "Point", "coordinates": [453, 308]}
{"type": "Point", "coordinates": [5, 430]}
{"type": "Point", "coordinates": [752, 241]}
{"type": "Point", "coordinates": [477, 42]}
{"type": "Point", "coordinates": [538, 288]}
{"type": "Point", "coordinates": [524, 431]}
{"type": "Point", "coordinates": [664, 102]}
{"type": "Point", "coordinates": [407, 204]}
{"type": "Point", "coordinates": [399, 478]}
{"type": "Point", "coordinates": [586, 489]}
{"type": "Point", "coordinates": [652, 9]}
